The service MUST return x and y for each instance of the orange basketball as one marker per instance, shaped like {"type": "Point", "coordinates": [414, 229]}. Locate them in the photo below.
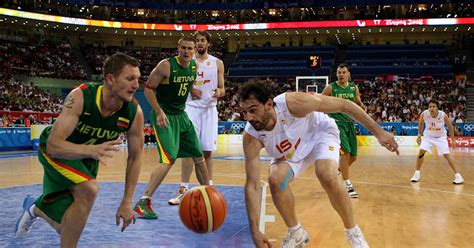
{"type": "Point", "coordinates": [203, 209]}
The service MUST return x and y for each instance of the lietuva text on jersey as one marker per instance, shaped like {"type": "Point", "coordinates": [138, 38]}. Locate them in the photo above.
{"type": "Point", "coordinates": [96, 132]}
{"type": "Point", "coordinates": [181, 79]}
{"type": "Point", "coordinates": [345, 95]}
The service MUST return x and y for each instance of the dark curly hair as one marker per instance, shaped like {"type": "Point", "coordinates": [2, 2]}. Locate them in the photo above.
{"type": "Point", "coordinates": [259, 91]}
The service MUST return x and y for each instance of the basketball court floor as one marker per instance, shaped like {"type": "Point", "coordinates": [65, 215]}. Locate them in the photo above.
{"type": "Point", "coordinates": [391, 211]}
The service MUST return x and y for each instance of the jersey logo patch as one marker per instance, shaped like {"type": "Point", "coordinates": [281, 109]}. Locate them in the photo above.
{"type": "Point", "coordinates": [122, 122]}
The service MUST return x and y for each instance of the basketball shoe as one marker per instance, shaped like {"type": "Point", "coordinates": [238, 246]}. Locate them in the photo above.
{"type": "Point", "coordinates": [350, 190]}
{"type": "Point", "coordinates": [416, 177]}
{"type": "Point", "coordinates": [355, 238]}
{"type": "Point", "coordinates": [179, 196]}
{"type": "Point", "coordinates": [27, 218]}
{"type": "Point", "coordinates": [458, 179]}
{"type": "Point", "coordinates": [296, 239]}
{"type": "Point", "coordinates": [144, 209]}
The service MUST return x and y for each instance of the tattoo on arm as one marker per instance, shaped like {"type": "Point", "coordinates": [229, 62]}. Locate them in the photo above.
{"type": "Point", "coordinates": [69, 102]}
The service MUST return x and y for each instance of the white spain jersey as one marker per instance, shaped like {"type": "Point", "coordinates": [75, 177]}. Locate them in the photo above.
{"type": "Point", "coordinates": [292, 139]}
{"type": "Point", "coordinates": [434, 127]}
{"type": "Point", "coordinates": [206, 81]}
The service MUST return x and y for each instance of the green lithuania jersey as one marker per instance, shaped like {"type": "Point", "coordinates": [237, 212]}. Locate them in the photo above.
{"type": "Point", "coordinates": [92, 128]}
{"type": "Point", "coordinates": [348, 93]}
{"type": "Point", "coordinates": [173, 92]}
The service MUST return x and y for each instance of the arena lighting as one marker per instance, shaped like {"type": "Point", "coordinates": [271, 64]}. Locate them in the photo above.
{"type": "Point", "coordinates": [249, 26]}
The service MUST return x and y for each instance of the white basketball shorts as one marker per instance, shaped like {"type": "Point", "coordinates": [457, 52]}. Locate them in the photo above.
{"type": "Point", "coordinates": [326, 147]}
{"type": "Point", "coordinates": [205, 124]}
{"type": "Point", "coordinates": [441, 144]}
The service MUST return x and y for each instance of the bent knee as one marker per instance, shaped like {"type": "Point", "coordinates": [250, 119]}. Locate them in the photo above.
{"type": "Point", "coordinates": [329, 182]}
{"type": "Point", "coordinates": [421, 153]}
{"type": "Point", "coordinates": [198, 160]}
{"type": "Point", "coordinates": [86, 191]}
{"type": "Point", "coordinates": [279, 182]}
{"type": "Point", "coordinates": [327, 178]}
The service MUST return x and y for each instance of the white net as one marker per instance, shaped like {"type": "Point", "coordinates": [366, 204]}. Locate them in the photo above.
{"type": "Point", "coordinates": [314, 84]}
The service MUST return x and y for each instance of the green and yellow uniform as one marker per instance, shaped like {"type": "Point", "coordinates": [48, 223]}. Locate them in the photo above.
{"type": "Point", "coordinates": [62, 174]}
{"type": "Point", "coordinates": [343, 121]}
{"type": "Point", "coordinates": [178, 139]}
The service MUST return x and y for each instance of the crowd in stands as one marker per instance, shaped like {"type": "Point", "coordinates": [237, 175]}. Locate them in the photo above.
{"type": "Point", "coordinates": [41, 58]}
{"type": "Point", "coordinates": [245, 16]}
{"type": "Point", "coordinates": [404, 100]}
{"type": "Point", "coordinates": [149, 57]}
{"type": "Point", "coordinates": [18, 96]}
{"type": "Point", "coordinates": [399, 101]}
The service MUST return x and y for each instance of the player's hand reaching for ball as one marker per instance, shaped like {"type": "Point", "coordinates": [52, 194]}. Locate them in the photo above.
{"type": "Point", "coordinates": [387, 140]}
{"type": "Point", "coordinates": [125, 213]}
{"type": "Point", "coordinates": [261, 240]}
{"type": "Point", "coordinates": [104, 151]}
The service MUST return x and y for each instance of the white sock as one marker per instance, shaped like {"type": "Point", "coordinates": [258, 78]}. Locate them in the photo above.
{"type": "Point", "coordinates": [145, 197]}
{"type": "Point", "coordinates": [417, 172]}
{"type": "Point", "coordinates": [31, 210]}
{"type": "Point", "coordinates": [351, 230]}
{"type": "Point", "coordinates": [457, 174]}
{"type": "Point", "coordinates": [347, 182]}
{"type": "Point", "coordinates": [294, 228]}
{"type": "Point", "coordinates": [186, 185]}
{"type": "Point", "coordinates": [210, 182]}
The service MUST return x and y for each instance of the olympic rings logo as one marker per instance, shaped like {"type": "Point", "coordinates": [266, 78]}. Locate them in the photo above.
{"type": "Point", "coordinates": [468, 127]}
{"type": "Point", "coordinates": [399, 139]}
{"type": "Point", "coordinates": [237, 125]}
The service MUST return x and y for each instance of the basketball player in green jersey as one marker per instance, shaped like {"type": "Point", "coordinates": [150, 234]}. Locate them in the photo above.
{"type": "Point", "coordinates": [84, 137]}
{"type": "Point", "coordinates": [342, 88]}
{"type": "Point", "coordinates": [167, 90]}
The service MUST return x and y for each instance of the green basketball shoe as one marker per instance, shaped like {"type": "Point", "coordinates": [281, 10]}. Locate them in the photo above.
{"type": "Point", "coordinates": [144, 209]}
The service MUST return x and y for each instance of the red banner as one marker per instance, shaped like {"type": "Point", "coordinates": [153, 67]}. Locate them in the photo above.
{"type": "Point", "coordinates": [463, 141]}
{"type": "Point", "coordinates": [44, 118]}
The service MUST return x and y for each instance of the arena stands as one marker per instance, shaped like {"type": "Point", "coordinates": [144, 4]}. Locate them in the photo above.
{"type": "Point", "coordinates": [283, 60]}
{"type": "Point", "coordinates": [406, 60]}
{"type": "Point", "coordinates": [42, 58]}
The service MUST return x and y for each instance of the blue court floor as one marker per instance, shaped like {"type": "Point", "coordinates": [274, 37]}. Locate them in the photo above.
{"type": "Point", "coordinates": [101, 231]}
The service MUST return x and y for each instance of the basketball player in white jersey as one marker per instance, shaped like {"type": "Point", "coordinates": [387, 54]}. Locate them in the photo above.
{"type": "Point", "coordinates": [435, 136]}
{"type": "Point", "coordinates": [201, 108]}
{"type": "Point", "coordinates": [296, 133]}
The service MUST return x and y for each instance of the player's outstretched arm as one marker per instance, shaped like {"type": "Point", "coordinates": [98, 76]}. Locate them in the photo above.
{"type": "Point", "coordinates": [135, 140]}
{"type": "Point", "coordinates": [300, 104]}
{"type": "Point", "coordinates": [253, 194]}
